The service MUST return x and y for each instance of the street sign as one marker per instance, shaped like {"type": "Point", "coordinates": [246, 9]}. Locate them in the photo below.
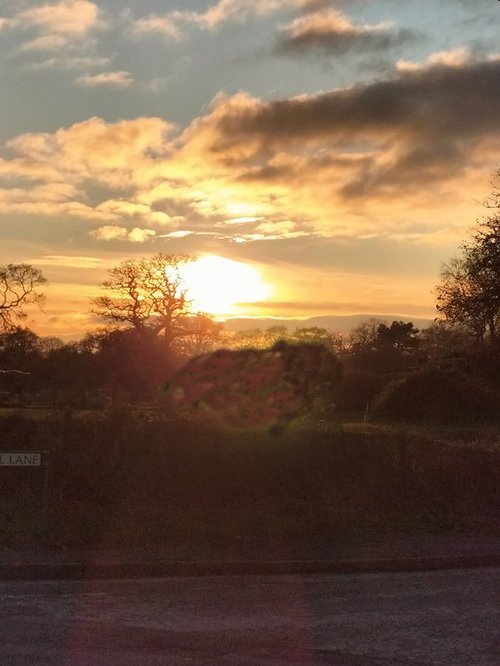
{"type": "Point", "coordinates": [20, 459]}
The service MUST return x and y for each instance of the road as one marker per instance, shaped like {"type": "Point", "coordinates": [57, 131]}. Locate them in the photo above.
{"type": "Point", "coordinates": [450, 618]}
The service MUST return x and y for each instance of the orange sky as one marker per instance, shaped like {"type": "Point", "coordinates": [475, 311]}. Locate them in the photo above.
{"type": "Point", "coordinates": [338, 150]}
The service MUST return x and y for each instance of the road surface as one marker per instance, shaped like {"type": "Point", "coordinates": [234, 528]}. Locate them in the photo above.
{"type": "Point", "coordinates": [450, 618]}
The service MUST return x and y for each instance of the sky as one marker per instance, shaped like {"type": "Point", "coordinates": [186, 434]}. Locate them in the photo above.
{"type": "Point", "coordinates": [339, 151]}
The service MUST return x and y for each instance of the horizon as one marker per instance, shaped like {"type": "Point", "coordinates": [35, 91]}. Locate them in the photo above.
{"type": "Point", "coordinates": [321, 158]}
{"type": "Point", "coordinates": [337, 324]}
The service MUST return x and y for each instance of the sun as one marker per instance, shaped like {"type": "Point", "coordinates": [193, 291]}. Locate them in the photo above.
{"type": "Point", "coordinates": [218, 285]}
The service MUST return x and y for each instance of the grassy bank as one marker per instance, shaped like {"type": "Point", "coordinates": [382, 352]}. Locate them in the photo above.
{"type": "Point", "coordinates": [125, 478]}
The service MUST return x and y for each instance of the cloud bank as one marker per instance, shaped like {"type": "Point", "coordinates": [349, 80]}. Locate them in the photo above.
{"type": "Point", "coordinates": [368, 159]}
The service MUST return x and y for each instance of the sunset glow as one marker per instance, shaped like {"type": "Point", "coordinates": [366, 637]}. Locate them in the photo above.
{"type": "Point", "coordinates": [217, 285]}
{"type": "Point", "coordinates": [317, 142]}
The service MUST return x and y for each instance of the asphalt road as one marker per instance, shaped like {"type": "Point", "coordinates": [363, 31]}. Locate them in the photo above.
{"type": "Point", "coordinates": [450, 618]}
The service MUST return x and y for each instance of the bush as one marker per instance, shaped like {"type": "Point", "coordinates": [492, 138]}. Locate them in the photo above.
{"type": "Point", "coordinates": [438, 396]}
{"type": "Point", "coordinates": [355, 389]}
{"type": "Point", "coordinates": [125, 478]}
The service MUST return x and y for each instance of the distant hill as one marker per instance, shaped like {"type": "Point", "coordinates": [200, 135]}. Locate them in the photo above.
{"type": "Point", "coordinates": [341, 323]}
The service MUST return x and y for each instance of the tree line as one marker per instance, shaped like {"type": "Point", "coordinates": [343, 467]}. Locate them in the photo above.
{"type": "Point", "coordinates": [469, 291]}
{"type": "Point", "coordinates": [150, 330]}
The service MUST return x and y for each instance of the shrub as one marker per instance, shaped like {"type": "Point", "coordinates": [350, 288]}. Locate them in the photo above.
{"type": "Point", "coordinates": [355, 389]}
{"type": "Point", "coordinates": [439, 396]}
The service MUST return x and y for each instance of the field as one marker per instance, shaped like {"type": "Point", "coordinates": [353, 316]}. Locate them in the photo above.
{"type": "Point", "coordinates": [142, 477]}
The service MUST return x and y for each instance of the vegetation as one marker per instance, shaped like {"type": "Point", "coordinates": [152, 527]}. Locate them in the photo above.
{"type": "Point", "coordinates": [141, 477]}
{"type": "Point", "coordinates": [127, 468]}
{"type": "Point", "coordinates": [439, 396]}
{"type": "Point", "coordinates": [469, 292]}
{"type": "Point", "coordinates": [19, 286]}
{"type": "Point", "coordinates": [147, 295]}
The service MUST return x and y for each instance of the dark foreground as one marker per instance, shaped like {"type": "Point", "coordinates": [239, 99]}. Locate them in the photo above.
{"type": "Point", "coordinates": [123, 481]}
{"type": "Point", "coordinates": [449, 618]}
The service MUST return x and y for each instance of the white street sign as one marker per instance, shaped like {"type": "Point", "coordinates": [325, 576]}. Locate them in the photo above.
{"type": "Point", "coordinates": [20, 459]}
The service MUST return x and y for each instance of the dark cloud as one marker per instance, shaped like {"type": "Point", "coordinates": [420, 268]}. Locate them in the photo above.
{"type": "Point", "coordinates": [442, 160]}
{"type": "Point", "coordinates": [423, 122]}
{"type": "Point", "coordinates": [334, 40]}
{"type": "Point", "coordinates": [433, 102]}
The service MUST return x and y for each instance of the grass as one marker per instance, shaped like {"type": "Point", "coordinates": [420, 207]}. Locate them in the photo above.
{"type": "Point", "coordinates": [46, 413]}
{"type": "Point", "coordinates": [136, 478]}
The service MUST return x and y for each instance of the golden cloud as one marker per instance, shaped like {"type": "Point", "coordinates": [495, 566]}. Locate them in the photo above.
{"type": "Point", "coordinates": [114, 232]}
{"type": "Point", "coordinates": [110, 232]}
{"type": "Point", "coordinates": [331, 31]}
{"type": "Point", "coordinates": [223, 11]}
{"type": "Point", "coordinates": [352, 161]}
{"type": "Point", "coordinates": [65, 261]}
{"type": "Point", "coordinates": [119, 79]}
{"type": "Point", "coordinates": [454, 58]}
{"type": "Point", "coordinates": [65, 31]}
{"type": "Point", "coordinates": [68, 17]}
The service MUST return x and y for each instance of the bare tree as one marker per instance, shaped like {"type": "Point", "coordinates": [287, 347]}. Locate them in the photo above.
{"type": "Point", "coordinates": [469, 291]}
{"type": "Point", "coordinates": [148, 294]}
{"type": "Point", "coordinates": [363, 337]}
{"type": "Point", "coordinates": [19, 285]}
{"type": "Point", "coordinates": [200, 334]}
{"type": "Point", "coordinates": [461, 297]}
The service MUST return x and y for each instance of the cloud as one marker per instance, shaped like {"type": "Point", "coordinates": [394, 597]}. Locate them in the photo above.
{"type": "Point", "coordinates": [68, 18]}
{"type": "Point", "coordinates": [124, 208]}
{"type": "Point", "coordinates": [332, 32]}
{"type": "Point", "coordinates": [181, 233]}
{"type": "Point", "coordinates": [109, 232]}
{"type": "Point", "coordinates": [109, 153]}
{"type": "Point", "coordinates": [233, 10]}
{"type": "Point", "coordinates": [63, 32]}
{"type": "Point", "coordinates": [67, 261]}
{"type": "Point", "coordinates": [426, 108]}
{"type": "Point", "coordinates": [52, 174]}
{"type": "Point", "coordinates": [69, 62]}
{"type": "Point", "coordinates": [44, 43]}
{"type": "Point", "coordinates": [138, 235]}
{"type": "Point", "coordinates": [454, 58]}
{"type": "Point", "coordinates": [59, 25]}
{"type": "Point", "coordinates": [25, 169]}
{"type": "Point", "coordinates": [380, 155]}
{"type": "Point", "coordinates": [160, 24]}
{"type": "Point", "coordinates": [173, 23]}
{"type": "Point", "coordinates": [310, 5]}
{"type": "Point", "coordinates": [224, 11]}
{"type": "Point", "coordinates": [113, 79]}
{"type": "Point", "coordinates": [113, 232]}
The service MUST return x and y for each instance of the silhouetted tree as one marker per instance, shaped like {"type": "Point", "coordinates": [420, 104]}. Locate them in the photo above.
{"type": "Point", "coordinates": [19, 286]}
{"type": "Point", "coordinates": [256, 338]}
{"type": "Point", "coordinates": [129, 363]}
{"type": "Point", "coordinates": [462, 297]}
{"type": "Point", "coordinates": [147, 294]}
{"type": "Point", "coordinates": [316, 335]}
{"type": "Point", "coordinates": [469, 291]}
{"type": "Point", "coordinates": [265, 338]}
{"type": "Point", "coordinates": [443, 339]}
{"type": "Point", "coordinates": [198, 334]}
{"type": "Point", "coordinates": [49, 344]}
{"type": "Point", "coordinates": [20, 341]}
{"type": "Point", "coordinates": [400, 335]}
{"type": "Point", "coordinates": [19, 360]}
{"type": "Point", "coordinates": [378, 347]}
{"type": "Point", "coordinates": [363, 337]}
{"type": "Point", "coordinates": [69, 372]}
